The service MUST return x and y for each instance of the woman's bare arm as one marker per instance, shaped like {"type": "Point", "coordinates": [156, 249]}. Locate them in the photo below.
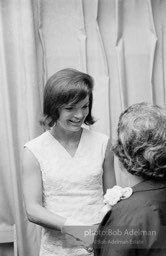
{"type": "Point", "coordinates": [109, 179]}
{"type": "Point", "coordinates": [32, 189]}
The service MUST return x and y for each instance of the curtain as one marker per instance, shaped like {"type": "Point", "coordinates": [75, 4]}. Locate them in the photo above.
{"type": "Point", "coordinates": [121, 43]}
{"type": "Point", "coordinates": [20, 108]}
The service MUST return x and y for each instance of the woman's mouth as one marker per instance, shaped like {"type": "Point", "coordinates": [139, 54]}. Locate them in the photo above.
{"type": "Point", "coordinates": [74, 122]}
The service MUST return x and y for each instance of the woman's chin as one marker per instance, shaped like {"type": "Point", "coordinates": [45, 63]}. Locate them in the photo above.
{"type": "Point", "coordinates": [75, 128]}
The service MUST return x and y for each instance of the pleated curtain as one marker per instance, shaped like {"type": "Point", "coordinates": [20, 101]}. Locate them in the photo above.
{"type": "Point", "coordinates": [121, 43]}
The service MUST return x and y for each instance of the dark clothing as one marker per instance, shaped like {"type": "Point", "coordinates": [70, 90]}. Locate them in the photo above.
{"type": "Point", "coordinates": [135, 226]}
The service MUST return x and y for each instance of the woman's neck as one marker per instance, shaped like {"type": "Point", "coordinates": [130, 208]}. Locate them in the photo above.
{"type": "Point", "coordinates": [65, 135]}
{"type": "Point", "coordinates": [133, 179]}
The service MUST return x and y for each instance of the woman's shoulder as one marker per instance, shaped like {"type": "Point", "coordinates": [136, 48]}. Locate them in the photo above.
{"type": "Point", "coordinates": [37, 140]}
{"type": "Point", "coordinates": [140, 205]}
{"type": "Point", "coordinates": [95, 134]}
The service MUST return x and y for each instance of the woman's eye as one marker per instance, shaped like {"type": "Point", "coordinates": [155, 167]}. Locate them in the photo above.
{"type": "Point", "coordinates": [86, 106]}
{"type": "Point", "coordinates": [69, 108]}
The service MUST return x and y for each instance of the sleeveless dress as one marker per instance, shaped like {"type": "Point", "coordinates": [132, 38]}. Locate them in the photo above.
{"type": "Point", "coordinates": [72, 186]}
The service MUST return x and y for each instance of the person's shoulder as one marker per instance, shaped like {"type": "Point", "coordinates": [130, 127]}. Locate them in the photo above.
{"type": "Point", "coordinates": [134, 209]}
{"type": "Point", "coordinates": [95, 134]}
{"type": "Point", "coordinates": [37, 140]}
{"type": "Point", "coordinates": [136, 201]}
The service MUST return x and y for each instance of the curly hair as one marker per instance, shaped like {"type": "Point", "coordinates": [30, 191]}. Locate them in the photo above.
{"type": "Point", "coordinates": [141, 143]}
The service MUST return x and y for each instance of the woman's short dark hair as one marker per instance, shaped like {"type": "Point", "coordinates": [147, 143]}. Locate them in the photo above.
{"type": "Point", "coordinates": [141, 143]}
{"type": "Point", "coordinates": [67, 86]}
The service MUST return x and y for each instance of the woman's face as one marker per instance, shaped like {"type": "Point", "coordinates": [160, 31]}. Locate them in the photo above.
{"type": "Point", "coordinates": [72, 116]}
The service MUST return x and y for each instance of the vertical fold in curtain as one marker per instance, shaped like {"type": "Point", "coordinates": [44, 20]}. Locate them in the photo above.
{"type": "Point", "coordinates": [120, 54]}
{"type": "Point", "coordinates": [106, 68]}
{"type": "Point", "coordinates": [97, 67]}
{"type": "Point", "coordinates": [107, 24]}
{"type": "Point", "coordinates": [152, 47]}
{"type": "Point", "coordinates": [82, 37]}
{"type": "Point", "coordinates": [64, 35]}
{"type": "Point", "coordinates": [40, 43]}
{"type": "Point", "coordinates": [135, 50]}
{"type": "Point", "coordinates": [20, 111]}
{"type": "Point", "coordinates": [158, 9]}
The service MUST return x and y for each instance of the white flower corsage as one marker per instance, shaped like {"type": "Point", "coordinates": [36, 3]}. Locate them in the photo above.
{"type": "Point", "coordinates": [114, 195]}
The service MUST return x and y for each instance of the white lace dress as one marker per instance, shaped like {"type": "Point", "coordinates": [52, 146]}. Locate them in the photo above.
{"type": "Point", "coordinates": [72, 186]}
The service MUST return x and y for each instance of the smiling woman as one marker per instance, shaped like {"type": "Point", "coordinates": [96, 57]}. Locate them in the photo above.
{"type": "Point", "coordinates": [73, 116]}
{"type": "Point", "coordinates": [64, 90]}
{"type": "Point", "coordinates": [67, 167]}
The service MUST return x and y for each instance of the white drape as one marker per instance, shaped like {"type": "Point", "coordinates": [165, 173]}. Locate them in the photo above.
{"type": "Point", "coordinates": [20, 108]}
{"type": "Point", "coordinates": [120, 43]}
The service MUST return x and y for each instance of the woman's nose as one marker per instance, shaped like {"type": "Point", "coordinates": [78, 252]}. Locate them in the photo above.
{"type": "Point", "coordinates": [79, 113]}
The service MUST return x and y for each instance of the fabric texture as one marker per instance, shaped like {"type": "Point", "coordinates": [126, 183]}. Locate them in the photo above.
{"type": "Point", "coordinates": [137, 226]}
{"type": "Point", "coordinates": [72, 186]}
{"type": "Point", "coordinates": [120, 43]}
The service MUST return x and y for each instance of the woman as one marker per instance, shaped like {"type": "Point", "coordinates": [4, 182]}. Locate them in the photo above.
{"type": "Point", "coordinates": [66, 168]}
{"type": "Point", "coordinates": [137, 225]}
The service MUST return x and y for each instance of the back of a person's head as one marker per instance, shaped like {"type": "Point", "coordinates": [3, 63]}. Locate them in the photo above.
{"type": "Point", "coordinates": [141, 143]}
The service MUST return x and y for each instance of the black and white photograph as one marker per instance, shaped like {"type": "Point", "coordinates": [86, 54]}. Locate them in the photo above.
{"type": "Point", "coordinates": [83, 127]}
